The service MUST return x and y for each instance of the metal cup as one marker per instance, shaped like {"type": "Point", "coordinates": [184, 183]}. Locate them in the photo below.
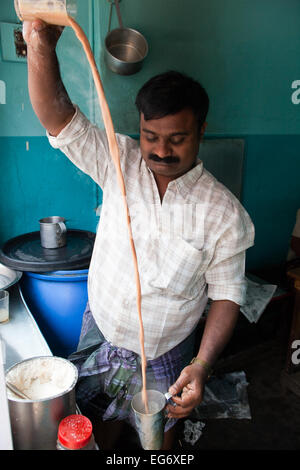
{"type": "Point", "coordinates": [53, 232]}
{"type": "Point", "coordinates": [53, 12]}
{"type": "Point", "coordinates": [150, 426]}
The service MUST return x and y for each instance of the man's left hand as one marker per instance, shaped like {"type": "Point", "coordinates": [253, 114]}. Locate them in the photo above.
{"type": "Point", "coordinates": [191, 385]}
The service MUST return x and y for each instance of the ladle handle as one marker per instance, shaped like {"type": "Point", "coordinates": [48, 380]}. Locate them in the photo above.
{"type": "Point", "coordinates": [16, 391]}
{"type": "Point", "coordinates": [119, 13]}
{"type": "Point", "coordinates": [110, 15]}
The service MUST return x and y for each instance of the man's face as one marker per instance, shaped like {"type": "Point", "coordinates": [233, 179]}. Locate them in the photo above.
{"type": "Point", "coordinates": [170, 145]}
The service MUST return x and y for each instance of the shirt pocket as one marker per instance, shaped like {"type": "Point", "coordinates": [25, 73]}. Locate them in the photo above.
{"type": "Point", "coordinates": [179, 269]}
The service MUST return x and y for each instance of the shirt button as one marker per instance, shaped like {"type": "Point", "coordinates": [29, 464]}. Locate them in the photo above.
{"type": "Point", "coordinates": [125, 303]}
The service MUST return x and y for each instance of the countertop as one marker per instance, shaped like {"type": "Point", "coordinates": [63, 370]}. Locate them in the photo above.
{"type": "Point", "coordinates": [20, 339]}
{"type": "Point", "coordinates": [21, 335]}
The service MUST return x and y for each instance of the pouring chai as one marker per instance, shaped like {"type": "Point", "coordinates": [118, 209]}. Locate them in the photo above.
{"type": "Point", "coordinates": [56, 13]}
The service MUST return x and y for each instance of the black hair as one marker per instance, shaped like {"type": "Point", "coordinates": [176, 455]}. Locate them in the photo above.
{"type": "Point", "coordinates": [170, 93]}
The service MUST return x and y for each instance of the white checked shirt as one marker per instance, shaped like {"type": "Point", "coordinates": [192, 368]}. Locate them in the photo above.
{"type": "Point", "coordinates": [189, 247]}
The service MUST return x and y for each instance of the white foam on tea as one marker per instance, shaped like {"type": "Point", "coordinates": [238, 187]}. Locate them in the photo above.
{"type": "Point", "coordinates": [153, 407]}
{"type": "Point", "coordinates": [41, 378]}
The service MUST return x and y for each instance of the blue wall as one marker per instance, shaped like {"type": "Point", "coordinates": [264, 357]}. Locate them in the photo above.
{"type": "Point", "coordinates": [41, 182]}
{"type": "Point", "coordinates": [247, 56]}
{"type": "Point", "coordinates": [38, 180]}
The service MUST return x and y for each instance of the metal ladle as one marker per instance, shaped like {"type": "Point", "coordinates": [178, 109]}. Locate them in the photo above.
{"type": "Point", "coordinates": [15, 390]}
{"type": "Point", "coordinates": [125, 48]}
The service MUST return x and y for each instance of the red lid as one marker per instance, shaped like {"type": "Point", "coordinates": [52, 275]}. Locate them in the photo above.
{"type": "Point", "coordinates": [75, 431]}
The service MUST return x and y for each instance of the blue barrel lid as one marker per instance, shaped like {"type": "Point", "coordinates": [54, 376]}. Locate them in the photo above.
{"type": "Point", "coordinates": [60, 276]}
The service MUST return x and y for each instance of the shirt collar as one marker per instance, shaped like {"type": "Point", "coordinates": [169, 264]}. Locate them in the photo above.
{"type": "Point", "coordinates": [186, 182]}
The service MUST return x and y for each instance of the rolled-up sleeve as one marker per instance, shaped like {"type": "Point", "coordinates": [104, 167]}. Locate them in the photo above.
{"type": "Point", "coordinates": [85, 145]}
{"type": "Point", "coordinates": [225, 275]}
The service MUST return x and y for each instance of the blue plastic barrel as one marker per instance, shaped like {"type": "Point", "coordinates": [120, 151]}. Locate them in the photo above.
{"type": "Point", "coordinates": [57, 301]}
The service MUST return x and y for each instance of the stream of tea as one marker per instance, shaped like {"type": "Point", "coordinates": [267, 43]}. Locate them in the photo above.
{"type": "Point", "coordinates": [55, 13]}
{"type": "Point", "coordinates": [115, 155]}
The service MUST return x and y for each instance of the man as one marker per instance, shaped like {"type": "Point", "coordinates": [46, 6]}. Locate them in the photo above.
{"type": "Point", "coordinates": [183, 261]}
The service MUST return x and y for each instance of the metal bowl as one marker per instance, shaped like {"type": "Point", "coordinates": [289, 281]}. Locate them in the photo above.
{"type": "Point", "coordinates": [8, 276]}
{"type": "Point", "coordinates": [125, 50]}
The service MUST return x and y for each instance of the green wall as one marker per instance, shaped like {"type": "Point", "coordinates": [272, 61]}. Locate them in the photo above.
{"type": "Point", "coordinates": [245, 53]}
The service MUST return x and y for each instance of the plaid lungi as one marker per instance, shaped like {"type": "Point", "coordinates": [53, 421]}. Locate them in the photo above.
{"type": "Point", "coordinates": [109, 377]}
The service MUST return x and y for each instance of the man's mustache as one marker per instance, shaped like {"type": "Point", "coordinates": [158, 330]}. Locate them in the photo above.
{"type": "Point", "coordinates": [168, 159]}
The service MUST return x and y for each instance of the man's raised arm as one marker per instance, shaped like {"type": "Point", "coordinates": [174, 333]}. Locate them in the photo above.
{"type": "Point", "coordinates": [48, 95]}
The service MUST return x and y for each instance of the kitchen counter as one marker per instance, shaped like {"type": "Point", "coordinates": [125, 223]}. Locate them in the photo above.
{"type": "Point", "coordinates": [21, 335]}
{"type": "Point", "coordinates": [20, 339]}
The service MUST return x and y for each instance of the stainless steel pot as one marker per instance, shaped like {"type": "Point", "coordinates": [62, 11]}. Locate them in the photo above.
{"type": "Point", "coordinates": [34, 423]}
{"type": "Point", "coordinates": [125, 48]}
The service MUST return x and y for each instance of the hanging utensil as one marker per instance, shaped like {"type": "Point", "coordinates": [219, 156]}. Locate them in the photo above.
{"type": "Point", "coordinates": [125, 48]}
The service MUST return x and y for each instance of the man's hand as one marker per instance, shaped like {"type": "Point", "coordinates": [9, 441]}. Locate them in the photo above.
{"type": "Point", "coordinates": [191, 383]}
{"type": "Point", "coordinates": [220, 322]}
{"type": "Point", "coordinates": [41, 37]}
